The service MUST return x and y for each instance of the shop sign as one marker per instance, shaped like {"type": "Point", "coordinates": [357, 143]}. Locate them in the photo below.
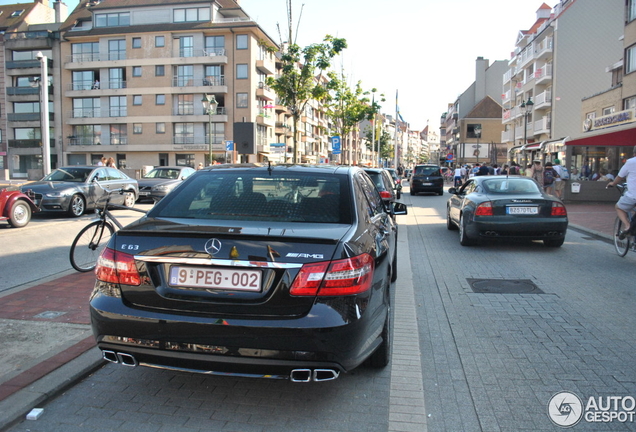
{"type": "Point", "coordinates": [609, 120]}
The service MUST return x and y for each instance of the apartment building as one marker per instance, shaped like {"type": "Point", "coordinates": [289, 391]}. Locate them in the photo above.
{"type": "Point", "coordinates": [26, 31]}
{"type": "Point", "coordinates": [135, 75]}
{"type": "Point", "coordinates": [555, 64]}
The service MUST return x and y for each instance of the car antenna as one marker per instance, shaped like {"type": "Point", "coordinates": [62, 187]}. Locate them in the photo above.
{"type": "Point", "coordinates": [269, 167]}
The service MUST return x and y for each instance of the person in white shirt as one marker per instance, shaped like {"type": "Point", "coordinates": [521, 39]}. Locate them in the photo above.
{"type": "Point", "coordinates": [459, 175]}
{"type": "Point", "coordinates": [627, 202]}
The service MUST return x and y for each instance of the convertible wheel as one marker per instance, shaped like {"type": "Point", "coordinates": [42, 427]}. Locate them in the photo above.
{"type": "Point", "coordinates": [449, 223]}
{"type": "Point", "coordinates": [77, 206]}
{"type": "Point", "coordinates": [463, 237]}
{"type": "Point", "coordinates": [20, 214]}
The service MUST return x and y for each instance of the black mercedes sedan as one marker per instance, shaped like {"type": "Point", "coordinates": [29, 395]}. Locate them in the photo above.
{"type": "Point", "coordinates": [505, 207]}
{"type": "Point", "coordinates": [262, 271]}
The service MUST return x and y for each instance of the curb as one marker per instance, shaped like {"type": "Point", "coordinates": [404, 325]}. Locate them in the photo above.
{"type": "Point", "coordinates": [16, 406]}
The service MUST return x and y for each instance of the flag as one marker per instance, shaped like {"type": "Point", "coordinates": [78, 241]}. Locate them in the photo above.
{"type": "Point", "coordinates": [397, 108]}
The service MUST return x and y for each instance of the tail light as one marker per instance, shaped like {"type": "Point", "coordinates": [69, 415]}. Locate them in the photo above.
{"type": "Point", "coordinates": [336, 278]}
{"type": "Point", "coordinates": [558, 209]}
{"type": "Point", "coordinates": [385, 194]}
{"type": "Point", "coordinates": [117, 267]}
{"type": "Point", "coordinates": [484, 209]}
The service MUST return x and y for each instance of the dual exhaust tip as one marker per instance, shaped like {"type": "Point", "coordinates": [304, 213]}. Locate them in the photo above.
{"type": "Point", "coordinates": [296, 375]}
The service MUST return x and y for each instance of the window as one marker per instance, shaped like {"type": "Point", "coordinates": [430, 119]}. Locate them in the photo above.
{"type": "Point", "coordinates": [184, 133]}
{"type": "Point", "coordinates": [29, 55]}
{"type": "Point", "coordinates": [116, 78]}
{"type": "Point", "coordinates": [160, 70]}
{"type": "Point", "coordinates": [160, 99]}
{"type": "Point", "coordinates": [214, 75]}
{"type": "Point", "coordinates": [136, 71]}
{"type": "Point", "coordinates": [241, 42]}
{"type": "Point", "coordinates": [185, 104]}
{"type": "Point", "coordinates": [218, 133]}
{"type": "Point", "coordinates": [118, 19]}
{"type": "Point", "coordinates": [137, 128]}
{"type": "Point", "coordinates": [186, 46]}
{"type": "Point", "coordinates": [160, 41]}
{"type": "Point", "coordinates": [118, 106]}
{"type": "Point", "coordinates": [631, 10]}
{"type": "Point", "coordinates": [160, 128]}
{"type": "Point", "coordinates": [629, 103]}
{"type": "Point", "coordinates": [26, 107]}
{"type": "Point", "coordinates": [136, 42]}
{"type": "Point", "coordinates": [608, 110]}
{"type": "Point", "coordinates": [86, 107]}
{"type": "Point", "coordinates": [83, 80]}
{"type": "Point", "coordinates": [87, 135]}
{"type": "Point", "coordinates": [591, 115]}
{"type": "Point", "coordinates": [117, 49]}
{"type": "Point", "coordinates": [16, 13]}
{"type": "Point", "coordinates": [118, 134]}
{"type": "Point", "coordinates": [241, 100]}
{"type": "Point", "coordinates": [137, 100]}
{"type": "Point", "coordinates": [184, 75]}
{"type": "Point", "coordinates": [191, 14]}
{"type": "Point", "coordinates": [215, 45]}
{"type": "Point", "coordinates": [87, 51]}
{"type": "Point", "coordinates": [241, 71]}
{"type": "Point", "coordinates": [630, 63]}
{"type": "Point", "coordinates": [473, 131]}
{"type": "Point", "coordinates": [185, 159]}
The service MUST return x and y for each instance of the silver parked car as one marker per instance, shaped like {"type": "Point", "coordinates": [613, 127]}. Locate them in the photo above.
{"type": "Point", "coordinates": [157, 183]}
{"type": "Point", "coordinates": [73, 189]}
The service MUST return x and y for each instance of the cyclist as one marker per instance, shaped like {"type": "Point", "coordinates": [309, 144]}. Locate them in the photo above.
{"type": "Point", "coordinates": [627, 202]}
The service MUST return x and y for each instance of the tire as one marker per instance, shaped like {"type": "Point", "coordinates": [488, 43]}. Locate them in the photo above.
{"type": "Point", "coordinates": [394, 265]}
{"type": "Point", "coordinates": [449, 223]}
{"type": "Point", "coordinates": [440, 192]}
{"type": "Point", "coordinates": [84, 251]}
{"type": "Point", "coordinates": [20, 214]}
{"type": "Point", "coordinates": [382, 355]}
{"type": "Point", "coordinates": [77, 206]}
{"type": "Point", "coordinates": [129, 200]}
{"type": "Point", "coordinates": [554, 242]}
{"type": "Point", "coordinates": [398, 195]}
{"type": "Point", "coordinates": [622, 246]}
{"type": "Point", "coordinates": [412, 191]}
{"type": "Point", "coordinates": [463, 237]}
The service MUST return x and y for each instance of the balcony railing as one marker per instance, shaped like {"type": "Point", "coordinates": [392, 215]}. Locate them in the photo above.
{"type": "Point", "coordinates": [90, 85]}
{"type": "Point", "coordinates": [85, 140]}
{"type": "Point", "coordinates": [28, 143]}
{"type": "Point", "coordinates": [184, 52]}
{"type": "Point", "coordinates": [85, 113]}
{"type": "Point", "coordinates": [16, 117]}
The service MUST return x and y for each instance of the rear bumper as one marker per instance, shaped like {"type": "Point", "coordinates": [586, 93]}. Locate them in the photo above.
{"type": "Point", "coordinates": [326, 338]}
{"type": "Point", "coordinates": [531, 229]}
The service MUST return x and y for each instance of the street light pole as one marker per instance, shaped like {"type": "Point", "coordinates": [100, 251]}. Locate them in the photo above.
{"type": "Point", "coordinates": [209, 106]}
{"type": "Point", "coordinates": [477, 131]}
{"type": "Point", "coordinates": [44, 113]}
{"type": "Point", "coordinates": [526, 108]}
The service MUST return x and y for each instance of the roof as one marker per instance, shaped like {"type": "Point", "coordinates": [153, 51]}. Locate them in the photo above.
{"type": "Point", "coordinates": [486, 108]}
{"type": "Point", "coordinates": [7, 22]}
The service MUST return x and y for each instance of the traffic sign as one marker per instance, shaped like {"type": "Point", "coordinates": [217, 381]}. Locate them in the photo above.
{"type": "Point", "coordinates": [229, 145]}
{"type": "Point", "coordinates": [335, 145]}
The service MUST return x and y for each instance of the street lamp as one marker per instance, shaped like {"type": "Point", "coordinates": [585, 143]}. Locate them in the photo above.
{"type": "Point", "coordinates": [209, 107]}
{"type": "Point", "coordinates": [477, 132]}
{"type": "Point", "coordinates": [44, 113]}
{"type": "Point", "coordinates": [526, 108]}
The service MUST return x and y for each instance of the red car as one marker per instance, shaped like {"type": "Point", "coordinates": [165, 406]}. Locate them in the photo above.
{"type": "Point", "coordinates": [16, 207]}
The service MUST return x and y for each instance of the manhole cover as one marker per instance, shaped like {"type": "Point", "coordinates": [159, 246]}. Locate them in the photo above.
{"type": "Point", "coordinates": [49, 315]}
{"type": "Point", "coordinates": [504, 286]}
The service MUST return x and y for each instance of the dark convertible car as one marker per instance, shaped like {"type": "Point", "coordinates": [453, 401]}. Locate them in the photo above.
{"type": "Point", "coordinates": [502, 207]}
{"type": "Point", "coordinates": [262, 271]}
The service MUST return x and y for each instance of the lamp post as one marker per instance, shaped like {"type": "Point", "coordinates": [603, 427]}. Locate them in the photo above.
{"type": "Point", "coordinates": [477, 132]}
{"type": "Point", "coordinates": [44, 114]}
{"type": "Point", "coordinates": [526, 108]}
{"type": "Point", "coordinates": [209, 106]}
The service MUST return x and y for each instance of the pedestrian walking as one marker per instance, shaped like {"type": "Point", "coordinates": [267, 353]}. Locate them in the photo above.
{"type": "Point", "coordinates": [535, 171]}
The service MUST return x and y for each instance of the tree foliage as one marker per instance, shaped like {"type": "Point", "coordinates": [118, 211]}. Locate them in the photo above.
{"type": "Point", "coordinates": [301, 78]}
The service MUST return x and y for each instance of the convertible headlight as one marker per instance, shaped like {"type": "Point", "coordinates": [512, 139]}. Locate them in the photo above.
{"type": "Point", "coordinates": [57, 194]}
{"type": "Point", "coordinates": [162, 188]}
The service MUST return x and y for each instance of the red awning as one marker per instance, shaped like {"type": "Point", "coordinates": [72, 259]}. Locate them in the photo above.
{"type": "Point", "coordinates": [622, 138]}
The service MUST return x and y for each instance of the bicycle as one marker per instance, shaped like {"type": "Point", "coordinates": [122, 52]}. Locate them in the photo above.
{"type": "Point", "coordinates": [93, 238]}
{"type": "Point", "coordinates": [623, 245]}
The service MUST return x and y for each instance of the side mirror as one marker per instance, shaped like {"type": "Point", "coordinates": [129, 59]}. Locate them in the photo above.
{"type": "Point", "coordinates": [94, 179]}
{"type": "Point", "coordinates": [452, 191]}
{"type": "Point", "coordinates": [399, 209]}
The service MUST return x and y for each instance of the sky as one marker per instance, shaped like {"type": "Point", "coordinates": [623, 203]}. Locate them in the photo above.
{"type": "Point", "coordinates": [423, 50]}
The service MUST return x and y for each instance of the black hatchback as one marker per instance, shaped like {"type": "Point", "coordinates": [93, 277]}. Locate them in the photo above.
{"type": "Point", "coordinates": [262, 271]}
{"type": "Point", "coordinates": [427, 178]}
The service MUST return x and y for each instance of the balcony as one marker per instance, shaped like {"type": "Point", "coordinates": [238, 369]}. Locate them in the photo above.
{"type": "Point", "coordinates": [23, 117]}
{"type": "Point", "coordinates": [86, 113]}
{"type": "Point", "coordinates": [543, 50]}
{"type": "Point", "coordinates": [27, 64]}
{"type": "Point", "coordinates": [90, 85]}
{"type": "Point", "coordinates": [506, 97]}
{"type": "Point", "coordinates": [264, 92]}
{"type": "Point", "coordinates": [519, 135]}
{"type": "Point", "coordinates": [543, 74]}
{"type": "Point", "coordinates": [543, 100]}
{"type": "Point", "coordinates": [21, 91]}
{"type": "Point", "coordinates": [507, 136]}
{"type": "Point", "coordinates": [28, 143]}
{"type": "Point", "coordinates": [267, 65]}
{"type": "Point", "coordinates": [90, 140]}
{"type": "Point", "coordinates": [542, 126]}
{"type": "Point", "coordinates": [265, 117]}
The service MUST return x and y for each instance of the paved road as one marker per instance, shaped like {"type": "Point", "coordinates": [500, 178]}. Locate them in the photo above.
{"type": "Point", "coordinates": [462, 361]}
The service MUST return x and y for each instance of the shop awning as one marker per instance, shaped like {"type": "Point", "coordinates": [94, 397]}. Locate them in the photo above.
{"type": "Point", "coordinates": [621, 138]}
{"type": "Point", "coordinates": [554, 146]}
{"type": "Point", "coordinates": [515, 149]}
{"type": "Point", "coordinates": [532, 146]}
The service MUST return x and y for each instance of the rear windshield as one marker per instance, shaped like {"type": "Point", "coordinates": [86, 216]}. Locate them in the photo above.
{"type": "Point", "coordinates": [427, 171]}
{"type": "Point", "coordinates": [510, 186]}
{"type": "Point", "coordinates": [286, 197]}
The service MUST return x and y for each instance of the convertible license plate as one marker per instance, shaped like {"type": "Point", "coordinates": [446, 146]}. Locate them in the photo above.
{"type": "Point", "coordinates": [216, 278]}
{"type": "Point", "coordinates": [523, 210]}
{"type": "Point", "coordinates": [427, 184]}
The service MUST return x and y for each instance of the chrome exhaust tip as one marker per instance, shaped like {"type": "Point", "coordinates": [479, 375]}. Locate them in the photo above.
{"type": "Point", "coordinates": [300, 375]}
{"type": "Point", "coordinates": [127, 359]}
{"type": "Point", "coordinates": [325, 374]}
{"type": "Point", "coordinates": [110, 356]}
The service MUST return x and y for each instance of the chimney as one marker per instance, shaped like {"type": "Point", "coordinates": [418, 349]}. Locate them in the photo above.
{"type": "Point", "coordinates": [61, 11]}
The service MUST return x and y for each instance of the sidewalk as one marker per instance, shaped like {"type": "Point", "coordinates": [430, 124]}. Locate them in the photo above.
{"type": "Point", "coordinates": [48, 325]}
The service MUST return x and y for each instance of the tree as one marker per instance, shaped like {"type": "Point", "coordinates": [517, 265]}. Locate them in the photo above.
{"type": "Point", "coordinates": [301, 78]}
{"type": "Point", "coordinates": [386, 148]}
{"type": "Point", "coordinates": [347, 107]}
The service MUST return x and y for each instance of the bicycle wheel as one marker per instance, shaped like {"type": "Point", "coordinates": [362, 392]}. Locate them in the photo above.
{"type": "Point", "coordinates": [622, 246]}
{"type": "Point", "coordinates": [88, 245]}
